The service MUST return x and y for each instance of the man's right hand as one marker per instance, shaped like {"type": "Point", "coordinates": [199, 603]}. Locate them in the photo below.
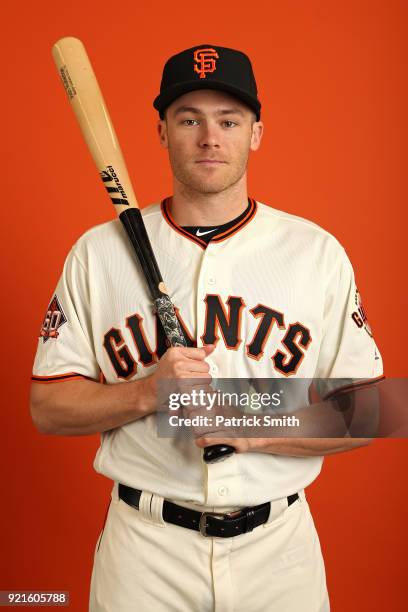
{"type": "Point", "coordinates": [83, 407]}
{"type": "Point", "coordinates": [182, 365]}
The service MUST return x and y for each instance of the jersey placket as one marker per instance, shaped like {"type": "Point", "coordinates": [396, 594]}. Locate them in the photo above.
{"type": "Point", "coordinates": [217, 474]}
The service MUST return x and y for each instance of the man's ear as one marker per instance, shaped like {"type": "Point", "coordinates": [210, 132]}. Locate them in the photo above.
{"type": "Point", "coordinates": [256, 137]}
{"type": "Point", "coordinates": [162, 131]}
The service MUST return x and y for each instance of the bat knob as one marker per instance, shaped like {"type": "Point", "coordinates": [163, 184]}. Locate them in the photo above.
{"type": "Point", "coordinates": [217, 452]}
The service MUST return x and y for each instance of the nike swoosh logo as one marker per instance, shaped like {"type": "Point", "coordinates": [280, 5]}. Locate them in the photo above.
{"type": "Point", "coordinates": [198, 233]}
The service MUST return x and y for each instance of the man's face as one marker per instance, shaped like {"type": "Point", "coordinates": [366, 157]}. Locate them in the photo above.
{"type": "Point", "coordinates": [209, 135]}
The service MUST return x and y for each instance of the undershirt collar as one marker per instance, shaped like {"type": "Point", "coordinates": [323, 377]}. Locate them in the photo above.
{"type": "Point", "coordinates": [208, 232]}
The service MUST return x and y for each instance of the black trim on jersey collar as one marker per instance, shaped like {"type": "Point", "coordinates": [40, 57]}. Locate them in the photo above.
{"type": "Point", "coordinates": [216, 230]}
{"type": "Point", "coordinates": [220, 237]}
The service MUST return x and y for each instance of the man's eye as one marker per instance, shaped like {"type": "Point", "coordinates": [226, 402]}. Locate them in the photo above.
{"type": "Point", "coordinates": [190, 122]}
{"type": "Point", "coordinates": [229, 124]}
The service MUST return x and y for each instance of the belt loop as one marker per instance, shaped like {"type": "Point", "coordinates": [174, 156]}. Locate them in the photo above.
{"type": "Point", "coordinates": [151, 508]}
{"type": "Point", "coordinates": [278, 506]}
{"type": "Point", "coordinates": [156, 510]}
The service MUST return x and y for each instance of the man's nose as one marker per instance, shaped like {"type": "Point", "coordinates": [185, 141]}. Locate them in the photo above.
{"type": "Point", "coordinates": [209, 136]}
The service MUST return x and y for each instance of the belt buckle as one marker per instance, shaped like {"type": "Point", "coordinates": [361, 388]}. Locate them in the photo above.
{"type": "Point", "coordinates": [203, 521]}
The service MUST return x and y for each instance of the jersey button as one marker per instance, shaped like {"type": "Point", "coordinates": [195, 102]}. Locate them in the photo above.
{"type": "Point", "coordinates": [211, 280]}
{"type": "Point", "coordinates": [222, 491]}
{"type": "Point", "coordinates": [214, 369]}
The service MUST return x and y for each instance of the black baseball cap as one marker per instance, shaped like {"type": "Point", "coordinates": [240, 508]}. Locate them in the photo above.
{"type": "Point", "coordinates": [208, 67]}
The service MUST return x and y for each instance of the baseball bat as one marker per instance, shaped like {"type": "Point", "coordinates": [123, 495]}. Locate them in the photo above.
{"type": "Point", "coordinates": [87, 102]}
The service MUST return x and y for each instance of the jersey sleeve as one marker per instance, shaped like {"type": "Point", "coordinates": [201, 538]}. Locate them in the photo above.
{"type": "Point", "coordinates": [348, 352]}
{"type": "Point", "coordinates": [65, 345]}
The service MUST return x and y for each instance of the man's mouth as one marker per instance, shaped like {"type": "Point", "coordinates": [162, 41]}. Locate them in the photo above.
{"type": "Point", "coordinates": [210, 161]}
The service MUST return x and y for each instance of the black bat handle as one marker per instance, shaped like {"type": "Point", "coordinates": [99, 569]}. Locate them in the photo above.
{"type": "Point", "coordinates": [165, 310]}
{"type": "Point", "coordinates": [133, 223]}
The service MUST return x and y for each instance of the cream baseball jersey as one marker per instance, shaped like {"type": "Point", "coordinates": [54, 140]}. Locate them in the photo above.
{"type": "Point", "coordinates": [277, 296]}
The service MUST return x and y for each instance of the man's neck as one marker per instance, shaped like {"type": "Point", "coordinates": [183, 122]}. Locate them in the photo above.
{"type": "Point", "coordinates": [191, 208]}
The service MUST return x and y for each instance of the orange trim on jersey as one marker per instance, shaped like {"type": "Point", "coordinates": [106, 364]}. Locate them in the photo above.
{"type": "Point", "coordinates": [173, 224]}
{"type": "Point", "coordinates": [236, 228]}
{"type": "Point", "coordinates": [60, 377]}
{"type": "Point", "coordinates": [268, 331]}
{"type": "Point", "coordinates": [217, 324]}
{"type": "Point", "coordinates": [286, 358]}
{"type": "Point", "coordinates": [153, 359]}
{"type": "Point", "coordinates": [227, 234]}
{"type": "Point", "coordinates": [354, 386]}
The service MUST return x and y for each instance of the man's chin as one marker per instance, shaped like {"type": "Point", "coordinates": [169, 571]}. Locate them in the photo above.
{"type": "Point", "coordinates": [208, 187]}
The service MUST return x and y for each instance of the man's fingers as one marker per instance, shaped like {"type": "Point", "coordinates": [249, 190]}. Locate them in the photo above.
{"type": "Point", "coordinates": [193, 366]}
{"type": "Point", "coordinates": [196, 353]}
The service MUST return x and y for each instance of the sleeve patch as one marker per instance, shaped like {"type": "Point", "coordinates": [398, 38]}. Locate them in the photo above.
{"type": "Point", "coordinates": [53, 320]}
{"type": "Point", "coordinates": [359, 315]}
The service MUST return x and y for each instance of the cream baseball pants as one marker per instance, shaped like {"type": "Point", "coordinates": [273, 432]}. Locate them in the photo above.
{"type": "Point", "coordinates": [142, 564]}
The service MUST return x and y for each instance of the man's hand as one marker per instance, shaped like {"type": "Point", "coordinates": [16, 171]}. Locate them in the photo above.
{"type": "Point", "coordinates": [290, 447]}
{"type": "Point", "coordinates": [234, 435]}
{"type": "Point", "coordinates": [182, 365]}
{"type": "Point", "coordinates": [323, 429]}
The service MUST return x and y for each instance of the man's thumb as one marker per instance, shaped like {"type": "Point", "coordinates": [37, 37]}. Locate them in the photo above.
{"type": "Point", "coordinates": [209, 349]}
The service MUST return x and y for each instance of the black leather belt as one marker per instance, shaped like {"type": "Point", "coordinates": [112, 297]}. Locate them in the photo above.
{"type": "Point", "coordinates": [209, 524]}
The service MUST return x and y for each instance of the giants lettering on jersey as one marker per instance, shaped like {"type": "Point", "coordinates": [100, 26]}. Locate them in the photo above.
{"type": "Point", "coordinates": [220, 320]}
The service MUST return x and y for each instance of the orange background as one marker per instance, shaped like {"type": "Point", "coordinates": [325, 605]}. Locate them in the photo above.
{"type": "Point", "coordinates": [332, 79]}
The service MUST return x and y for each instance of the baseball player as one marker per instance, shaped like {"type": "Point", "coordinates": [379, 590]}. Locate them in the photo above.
{"type": "Point", "coordinates": [260, 294]}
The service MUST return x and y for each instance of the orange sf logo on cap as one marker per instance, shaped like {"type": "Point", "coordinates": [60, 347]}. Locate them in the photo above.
{"type": "Point", "coordinates": [205, 61]}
